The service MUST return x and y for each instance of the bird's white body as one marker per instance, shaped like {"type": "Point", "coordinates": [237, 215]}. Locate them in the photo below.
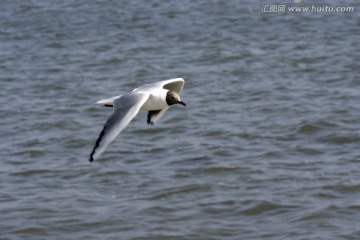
{"type": "Point", "coordinates": [156, 100]}
{"type": "Point", "coordinates": [150, 97]}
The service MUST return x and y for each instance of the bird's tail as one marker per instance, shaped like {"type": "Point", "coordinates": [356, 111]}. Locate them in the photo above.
{"type": "Point", "coordinates": [109, 102]}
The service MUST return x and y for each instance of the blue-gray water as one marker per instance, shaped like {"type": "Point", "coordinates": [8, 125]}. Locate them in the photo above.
{"type": "Point", "coordinates": [268, 147]}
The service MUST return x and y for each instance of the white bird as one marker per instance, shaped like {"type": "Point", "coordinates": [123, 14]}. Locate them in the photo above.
{"type": "Point", "coordinates": [154, 97]}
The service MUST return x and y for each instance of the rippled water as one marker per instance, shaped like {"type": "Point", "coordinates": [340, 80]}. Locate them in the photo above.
{"type": "Point", "coordinates": [268, 147]}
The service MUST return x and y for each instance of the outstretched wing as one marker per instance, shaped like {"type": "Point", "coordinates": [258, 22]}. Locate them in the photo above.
{"type": "Point", "coordinates": [125, 109]}
{"type": "Point", "coordinates": [175, 84]}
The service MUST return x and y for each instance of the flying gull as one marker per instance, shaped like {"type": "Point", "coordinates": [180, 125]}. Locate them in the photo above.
{"type": "Point", "coordinates": [156, 98]}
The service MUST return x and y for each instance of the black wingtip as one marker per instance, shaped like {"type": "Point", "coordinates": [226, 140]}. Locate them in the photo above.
{"type": "Point", "coordinates": [91, 159]}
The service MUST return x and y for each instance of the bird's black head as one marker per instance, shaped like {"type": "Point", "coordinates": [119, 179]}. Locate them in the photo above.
{"type": "Point", "coordinates": [173, 98]}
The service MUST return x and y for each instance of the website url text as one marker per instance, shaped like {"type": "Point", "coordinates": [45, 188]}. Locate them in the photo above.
{"type": "Point", "coordinates": [278, 8]}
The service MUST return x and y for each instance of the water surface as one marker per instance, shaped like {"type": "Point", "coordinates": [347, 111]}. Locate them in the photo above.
{"type": "Point", "coordinates": [268, 147]}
